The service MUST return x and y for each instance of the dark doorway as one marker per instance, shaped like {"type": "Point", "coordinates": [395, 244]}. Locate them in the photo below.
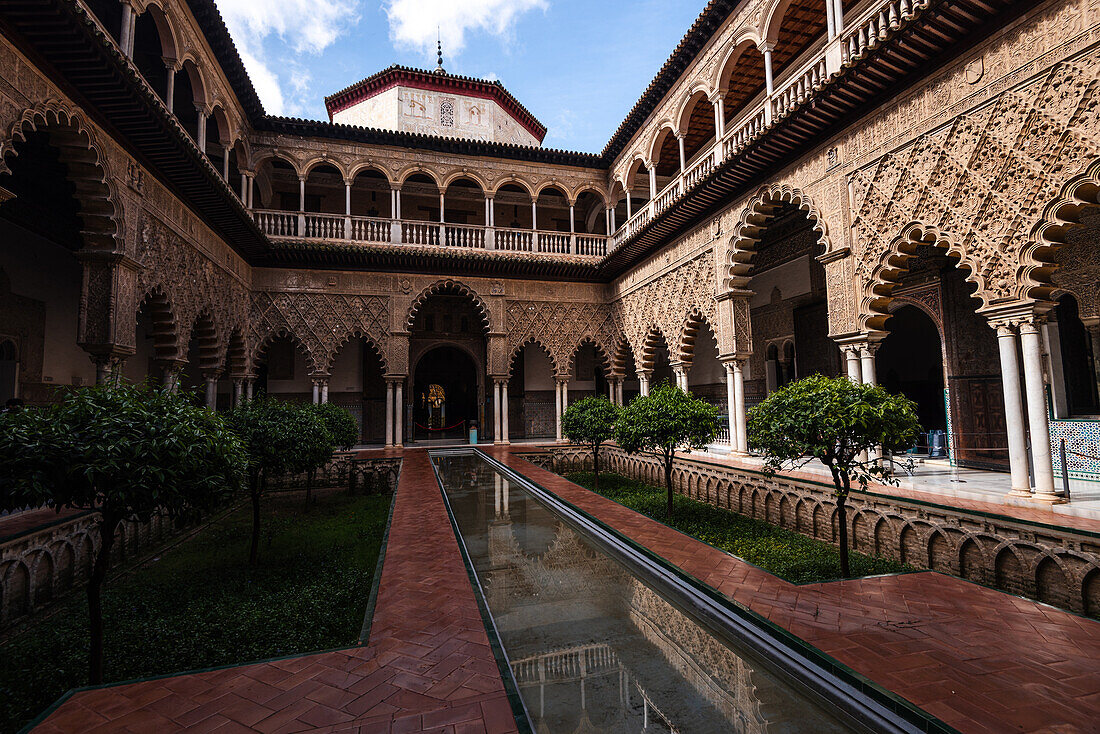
{"type": "Point", "coordinates": [910, 362]}
{"type": "Point", "coordinates": [444, 395]}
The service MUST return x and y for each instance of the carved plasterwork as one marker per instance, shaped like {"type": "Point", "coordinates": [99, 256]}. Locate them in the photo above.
{"type": "Point", "coordinates": [193, 284]}
{"type": "Point", "coordinates": [320, 323]}
{"type": "Point", "coordinates": [560, 328]}
{"type": "Point", "coordinates": [665, 303]}
{"type": "Point", "coordinates": [979, 187]}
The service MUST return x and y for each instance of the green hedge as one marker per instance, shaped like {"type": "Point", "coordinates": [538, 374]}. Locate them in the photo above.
{"type": "Point", "coordinates": [786, 554]}
{"type": "Point", "coordinates": [202, 606]}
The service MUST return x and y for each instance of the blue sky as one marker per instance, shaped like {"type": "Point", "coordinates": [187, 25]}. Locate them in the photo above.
{"type": "Point", "coordinates": [577, 65]}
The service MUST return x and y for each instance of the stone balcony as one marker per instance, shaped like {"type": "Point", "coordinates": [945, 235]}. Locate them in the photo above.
{"type": "Point", "coordinates": [376, 230]}
{"type": "Point", "coordinates": [811, 75]}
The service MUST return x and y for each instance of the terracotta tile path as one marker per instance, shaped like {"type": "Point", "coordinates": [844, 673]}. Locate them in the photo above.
{"type": "Point", "coordinates": [428, 665]}
{"type": "Point", "coordinates": [979, 659]}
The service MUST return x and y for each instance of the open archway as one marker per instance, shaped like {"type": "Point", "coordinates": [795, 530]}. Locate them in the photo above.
{"type": "Point", "coordinates": [445, 394]}
{"type": "Point", "coordinates": [910, 362]}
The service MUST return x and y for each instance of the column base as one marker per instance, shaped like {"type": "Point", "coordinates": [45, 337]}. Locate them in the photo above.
{"type": "Point", "coordinates": [1048, 498]}
{"type": "Point", "coordinates": [1019, 493]}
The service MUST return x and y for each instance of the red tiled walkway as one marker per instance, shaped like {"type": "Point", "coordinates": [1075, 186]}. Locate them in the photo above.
{"type": "Point", "coordinates": [980, 660]}
{"type": "Point", "coordinates": [428, 665]}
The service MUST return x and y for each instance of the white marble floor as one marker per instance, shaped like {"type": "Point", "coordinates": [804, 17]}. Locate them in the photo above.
{"type": "Point", "coordinates": [940, 478]}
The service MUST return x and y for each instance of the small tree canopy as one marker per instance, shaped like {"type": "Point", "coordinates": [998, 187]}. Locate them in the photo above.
{"type": "Point", "coordinates": [663, 421]}
{"type": "Point", "coordinates": [666, 419]}
{"type": "Point", "coordinates": [280, 437]}
{"type": "Point", "coordinates": [127, 450]}
{"type": "Point", "coordinates": [124, 451]}
{"type": "Point", "coordinates": [342, 426]}
{"type": "Point", "coordinates": [833, 420]}
{"type": "Point", "coordinates": [590, 421]}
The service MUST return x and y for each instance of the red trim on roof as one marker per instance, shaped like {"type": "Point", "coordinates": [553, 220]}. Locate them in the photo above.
{"type": "Point", "coordinates": [419, 79]}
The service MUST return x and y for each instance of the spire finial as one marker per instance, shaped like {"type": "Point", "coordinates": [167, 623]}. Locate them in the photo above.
{"type": "Point", "coordinates": [439, 53]}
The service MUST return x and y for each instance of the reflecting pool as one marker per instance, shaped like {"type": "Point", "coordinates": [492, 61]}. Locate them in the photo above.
{"type": "Point", "coordinates": [592, 646]}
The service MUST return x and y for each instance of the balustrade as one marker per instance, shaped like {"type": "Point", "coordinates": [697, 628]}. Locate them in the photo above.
{"type": "Point", "coordinates": [277, 224]}
{"type": "Point", "coordinates": [516, 240]}
{"type": "Point", "coordinates": [799, 88]}
{"type": "Point", "coordinates": [324, 226]}
{"type": "Point", "coordinates": [461, 235]}
{"type": "Point", "coordinates": [420, 233]}
{"type": "Point", "coordinates": [867, 32]}
{"type": "Point", "coordinates": [369, 229]}
{"type": "Point", "coordinates": [591, 245]}
{"type": "Point", "coordinates": [553, 242]}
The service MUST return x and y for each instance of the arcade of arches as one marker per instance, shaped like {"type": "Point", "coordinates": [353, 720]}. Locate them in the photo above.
{"type": "Point", "coordinates": [899, 249]}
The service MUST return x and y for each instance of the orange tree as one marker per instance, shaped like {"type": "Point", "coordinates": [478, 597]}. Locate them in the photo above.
{"type": "Point", "coordinates": [124, 452]}
{"type": "Point", "coordinates": [836, 422]}
{"type": "Point", "coordinates": [590, 421]}
{"type": "Point", "coordinates": [663, 421]}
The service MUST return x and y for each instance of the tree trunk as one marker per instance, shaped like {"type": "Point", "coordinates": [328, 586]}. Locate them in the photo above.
{"type": "Point", "coordinates": [842, 521]}
{"type": "Point", "coordinates": [107, 528]}
{"type": "Point", "coordinates": [669, 458]}
{"type": "Point", "coordinates": [254, 550]}
{"type": "Point", "coordinates": [596, 465]}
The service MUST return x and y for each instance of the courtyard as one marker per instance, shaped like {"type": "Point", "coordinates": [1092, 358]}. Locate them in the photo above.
{"type": "Point", "coordinates": [550, 366]}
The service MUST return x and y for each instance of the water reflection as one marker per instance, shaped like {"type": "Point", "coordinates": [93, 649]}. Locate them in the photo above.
{"type": "Point", "coordinates": [594, 649]}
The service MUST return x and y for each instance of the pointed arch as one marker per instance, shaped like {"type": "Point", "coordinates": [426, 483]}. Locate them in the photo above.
{"type": "Point", "coordinates": [532, 341]}
{"type": "Point", "coordinates": [756, 215]}
{"type": "Point", "coordinates": [601, 353]}
{"type": "Point", "coordinates": [689, 329]}
{"type": "Point", "coordinates": [451, 288]}
{"type": "Point", "coordinates": [155, 302]}
{"type": "Point", "coordinates": [1078, 198]}
{"type": "Point", "coordinates": [87, 168]}
{"type": "Point", "coordinates": [372, 341]}
{"type": "Point", "coordinates": [283, 332]}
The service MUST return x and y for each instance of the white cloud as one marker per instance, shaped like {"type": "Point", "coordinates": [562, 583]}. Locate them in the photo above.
{"type": "Point", "coordinates": [301, 26]}
{"type": "Point", "coordinates": [413, 23]}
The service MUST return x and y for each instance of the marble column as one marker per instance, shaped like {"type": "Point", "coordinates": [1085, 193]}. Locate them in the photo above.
{"type": "Point", "coordinates": [867, 369]}
{"type": "Point", "coordinates": [1014, 410]}
{"type": "Point", "coordinates": [739, 406]}
{"type": "Point", "coordinates": [248, 388]}
{"type": "Point", "coordinates": [399, 414]}
{"type": "Point", "coordinates": [504, 412]}
{"type": "Point", "coordinates": [851, 357]}
{"type": "Point", "coordinates": [643, 382]}
{"type": "Point", "coordinates": [316, 391]}
{"type": "Point", "coordinates": [389, 413]}
{"type": "Point", "coordinates": [238, 390]}
{"type": "Point", "coordinates": [496, 411]}
{"type": "Point", "coordinates": [731, 403]}
{"type": "Point", "coordinates": [561, 388]}
{"type": "Point", "coordinates": [1035, 391]}
{"type": "Point", "coordinates": [324, 391]}
{"type": "Point", "coordinates": [211, 384]}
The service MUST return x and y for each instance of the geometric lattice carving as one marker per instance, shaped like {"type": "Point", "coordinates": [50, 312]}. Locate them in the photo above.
{"type": "Point", "coordinates": [979, 187]}
{"type": "Point", "coordinates": [560, 328]}
{"type": "Point", "coordinates": [669, 304]}
{"type": "Point", "coordinates": [320, 322]}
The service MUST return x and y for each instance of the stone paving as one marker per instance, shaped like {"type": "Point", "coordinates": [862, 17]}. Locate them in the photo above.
{"type": "Point", "coordinates": [978, 659]}
{"type": "Point", "coordinates": [428, 665]}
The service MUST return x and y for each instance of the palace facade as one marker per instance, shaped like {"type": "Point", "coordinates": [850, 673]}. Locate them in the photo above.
{"type": "Point", "coordinates": [903, 191]}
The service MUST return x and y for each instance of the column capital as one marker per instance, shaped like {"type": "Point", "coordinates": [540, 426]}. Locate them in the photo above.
{"type": "Point", "coordinates": [211, 375]}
